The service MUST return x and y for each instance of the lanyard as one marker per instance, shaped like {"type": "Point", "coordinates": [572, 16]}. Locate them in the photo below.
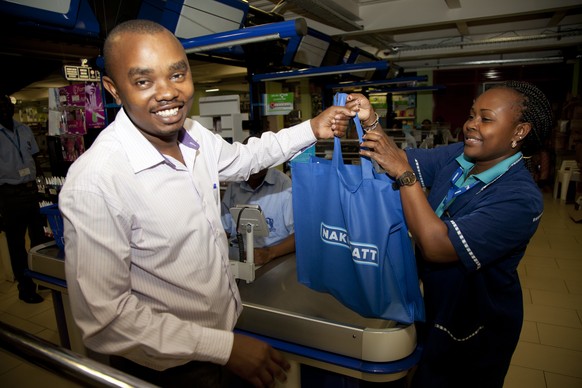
{"type": "Point", "coordinates": [15, 143]}
{"type": "Point", "coordinates": [454, 191]}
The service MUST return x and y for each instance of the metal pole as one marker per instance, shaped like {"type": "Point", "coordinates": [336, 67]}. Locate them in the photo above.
{"type": "Point", "coordinates": [63, 362]}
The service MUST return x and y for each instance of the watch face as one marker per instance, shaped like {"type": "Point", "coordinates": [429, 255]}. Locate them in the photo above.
{"type": "Point", "coordinates": [407, 179]}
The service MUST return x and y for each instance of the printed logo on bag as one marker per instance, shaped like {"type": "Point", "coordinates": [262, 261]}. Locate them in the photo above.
{"type": "Point", "coordinates": [362, 253]}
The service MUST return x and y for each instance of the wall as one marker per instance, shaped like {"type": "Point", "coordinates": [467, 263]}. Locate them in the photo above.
{"type": "Point", "coordinates": [424, 100]}
{"type": "Point", "coordinates": [463, 85]}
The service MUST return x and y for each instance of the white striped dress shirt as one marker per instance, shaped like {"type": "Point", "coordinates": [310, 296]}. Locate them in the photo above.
{"type": "Point", "coordinates": [146, 255]}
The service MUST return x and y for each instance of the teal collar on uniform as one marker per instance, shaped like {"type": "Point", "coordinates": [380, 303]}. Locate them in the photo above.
{"type": "Point", "coordinates": [462, 182]}
{"type": "Point", "coordinates": [491, 174]}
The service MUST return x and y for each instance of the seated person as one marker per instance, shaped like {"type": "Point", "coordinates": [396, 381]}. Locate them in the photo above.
{"type": "Point", "coordinates": [408, 132]}
{"type": "Point", "coordinates": [426, 128]}
{"type": "Point", "coordinates": [271, 190]}
{"type": "Point", "coordinates": [444, 136]}
{"type": "Point", "coordinates": [409, 137]}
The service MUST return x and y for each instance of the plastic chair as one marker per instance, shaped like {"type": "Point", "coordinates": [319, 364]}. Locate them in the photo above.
{"type": "Point", "coordinates": [568, 172]}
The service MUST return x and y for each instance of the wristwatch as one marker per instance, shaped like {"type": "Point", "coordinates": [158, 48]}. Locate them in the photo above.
{"type": "Point", "coordinates": [406, 179]}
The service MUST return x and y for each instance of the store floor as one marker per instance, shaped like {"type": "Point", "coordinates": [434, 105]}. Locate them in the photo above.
{"type": "Point", "coordinates": [549, 354]}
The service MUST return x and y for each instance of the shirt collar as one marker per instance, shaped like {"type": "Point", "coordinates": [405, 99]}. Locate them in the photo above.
{"type": "Point", "coordinates": [186, 139]}
{"type": "Point", "coordinates": [269, 179]}
{"type": "Point", "coordinates": [140, 152]}
{"type": "Point", "coordinates": [491, 174]}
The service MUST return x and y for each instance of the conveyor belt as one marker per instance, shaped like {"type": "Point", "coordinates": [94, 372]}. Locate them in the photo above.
{"type": "Point", "coordinates": [277, 306]}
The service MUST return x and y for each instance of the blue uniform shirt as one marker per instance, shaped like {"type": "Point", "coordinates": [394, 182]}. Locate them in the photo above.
{"type": "Point", "coordinates": [16, 155]}
{"type": "Point", "coordinates": [475, 306]}
{"type": "Point", "coordinates": [462, 181]}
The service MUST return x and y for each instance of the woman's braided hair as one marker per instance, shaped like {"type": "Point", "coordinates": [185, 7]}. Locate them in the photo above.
{"type": "Point", "coordinates": [536, 110]}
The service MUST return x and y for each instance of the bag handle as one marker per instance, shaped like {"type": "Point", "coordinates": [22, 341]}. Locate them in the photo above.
{"type": "Point", "coordinates": [339, 99]}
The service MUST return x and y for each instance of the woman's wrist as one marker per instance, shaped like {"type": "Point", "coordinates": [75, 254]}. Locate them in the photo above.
{"type": "Point", "coordinates": [369, 125]}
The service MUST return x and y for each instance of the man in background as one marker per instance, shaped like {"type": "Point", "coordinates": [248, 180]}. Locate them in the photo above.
{"type": "Point", "coordinates": [271, 190]}
{"type": "Point", "coordinates": [19, 207]}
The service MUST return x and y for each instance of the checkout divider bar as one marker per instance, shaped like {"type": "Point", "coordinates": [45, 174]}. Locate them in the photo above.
{"type": "Point", "coordinates": [63, 362]}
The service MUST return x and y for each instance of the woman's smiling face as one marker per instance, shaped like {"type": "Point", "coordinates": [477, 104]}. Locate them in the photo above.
{"type": "Point", "coordinates": [493, 124]}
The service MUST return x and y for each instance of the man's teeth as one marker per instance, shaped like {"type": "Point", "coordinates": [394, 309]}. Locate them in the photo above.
{"type": "Point", "coordinates": [168, 113]}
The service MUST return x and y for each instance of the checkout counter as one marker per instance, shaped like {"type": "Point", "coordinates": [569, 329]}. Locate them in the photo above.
{"type": "Point", "coordinates": [309, 327]}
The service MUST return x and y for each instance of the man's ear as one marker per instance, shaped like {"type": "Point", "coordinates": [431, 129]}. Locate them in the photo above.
{"type": "Point", "coordinates": [111, 88]}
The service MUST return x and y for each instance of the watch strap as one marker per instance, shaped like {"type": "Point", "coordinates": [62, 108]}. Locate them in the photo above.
{"type": "Point", "coordinates": [407, 178]}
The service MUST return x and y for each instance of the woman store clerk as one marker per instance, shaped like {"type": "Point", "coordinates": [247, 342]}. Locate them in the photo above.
{"type": "Point", "coordinates": [471, 231]}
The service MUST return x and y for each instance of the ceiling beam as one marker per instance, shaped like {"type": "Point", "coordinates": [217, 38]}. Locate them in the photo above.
{"type": "Point", "coordinates": [463, 28]}
{"type": "Point", "coordinates": [556, 18]}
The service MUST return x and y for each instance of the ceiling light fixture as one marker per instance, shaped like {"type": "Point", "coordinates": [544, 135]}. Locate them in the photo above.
{"type": "Point", "coordinates": [231, 43]}
{"type": "Point", "coordinates": [321, 71]}
{"type": "Point", "coordinates": [491, 62]}
{"type": "Point", "coordinates": [212, 90]}
{"type": "Point", "coordinates": [399, 81]}
{"type": "Point", "coordinates": [492, 74]}
{"type": "Point", "coordinates": [262, 33]}
{"type": "Point", "coordinates": [490, 41]}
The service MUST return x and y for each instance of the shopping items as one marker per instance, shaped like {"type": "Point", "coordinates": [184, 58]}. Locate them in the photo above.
{"type": "Point", "coordinates": [55, 221]}
{"type": "Point", "coordinates": [351, 238]}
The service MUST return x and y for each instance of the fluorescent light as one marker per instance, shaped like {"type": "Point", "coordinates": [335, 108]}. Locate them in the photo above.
{"type": "Point", "coordinates": [314, 74]}
{"type": "Point", "coordinates": [408, 81]}
{"type": "Point", "coordinates": [321, 71]}
{"type": "Point", "coordinates": [212, 90]}
{"type": "Point", "coordinates": [231, 43]}
{"type": "Point", "coordinates": [512, 61]}
{"type": "Point", "coordinates": [291, 29]}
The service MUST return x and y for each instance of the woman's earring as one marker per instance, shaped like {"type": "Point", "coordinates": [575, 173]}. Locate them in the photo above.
{"type": "Point", "coordinates": [513, 144]}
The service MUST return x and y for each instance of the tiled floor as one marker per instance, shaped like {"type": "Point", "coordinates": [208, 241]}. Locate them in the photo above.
{"type": "Point", "coordinates": [549, 354]}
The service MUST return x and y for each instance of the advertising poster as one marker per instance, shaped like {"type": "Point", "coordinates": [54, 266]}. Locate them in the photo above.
{"type": "Point", "coordinates": [72, 105]}
{"type": "Point", "coordinates": [94, 110]}
{"type": "Point", "coordinates": [72, 146]}
{"type": "Point", "coordinates": [75, 108]}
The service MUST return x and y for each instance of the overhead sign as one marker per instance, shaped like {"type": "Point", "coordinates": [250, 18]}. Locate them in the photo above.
{"type": "Point", "coordinates": [81, 73]}
{"type": "Point", "coordinates": [278, 104]}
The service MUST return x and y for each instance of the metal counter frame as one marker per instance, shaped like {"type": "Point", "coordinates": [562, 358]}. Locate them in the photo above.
{"type": "Point", "coordinates": [282, 312]}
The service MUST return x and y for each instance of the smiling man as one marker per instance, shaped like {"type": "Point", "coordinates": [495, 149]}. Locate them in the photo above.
{"type": "Point", "coordinates": [147, 263]}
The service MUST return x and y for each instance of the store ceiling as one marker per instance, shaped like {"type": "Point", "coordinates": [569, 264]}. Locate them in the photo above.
{"type": "Point", "coordinates": [415, 34]}
{"type": "Point", "coordinates": [438, 33]}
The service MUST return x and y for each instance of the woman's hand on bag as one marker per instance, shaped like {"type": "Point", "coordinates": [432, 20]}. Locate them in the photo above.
{"type": "Point", "coordinates": [377, 144]}
{"type": "Point", "coordinates": [361, 105]}
{"type": "Point", "coordinates": [331, 122]}
{"type": "Point", "coordinates": [380, 147]}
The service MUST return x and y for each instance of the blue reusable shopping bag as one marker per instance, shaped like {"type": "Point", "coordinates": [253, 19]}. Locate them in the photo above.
{"type": "Point", "coordinates": [351, 238]}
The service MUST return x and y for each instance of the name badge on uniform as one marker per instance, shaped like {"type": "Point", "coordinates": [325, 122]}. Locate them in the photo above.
{"type": "Point", "coordinates": [24, 172]}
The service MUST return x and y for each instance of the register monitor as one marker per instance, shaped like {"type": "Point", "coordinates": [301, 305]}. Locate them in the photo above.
{"type": "Point", "coordinates": [249, 220]}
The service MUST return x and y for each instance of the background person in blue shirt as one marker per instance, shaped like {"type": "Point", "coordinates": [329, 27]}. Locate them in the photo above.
{"type": "Point", "coordinates": [471, 231]}
{"type": "Point", "coordinates": [271, 190]}
{"type": "Point", "coordinates": [19, 196]}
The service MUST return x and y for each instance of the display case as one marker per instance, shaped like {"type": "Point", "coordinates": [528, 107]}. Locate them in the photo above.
{"type": "Point", "coordinates": [404, 106]}
{"type": "Point", "coordinates": [350, 150]}
{"type": "Point", "coordinates": [223, 115]}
